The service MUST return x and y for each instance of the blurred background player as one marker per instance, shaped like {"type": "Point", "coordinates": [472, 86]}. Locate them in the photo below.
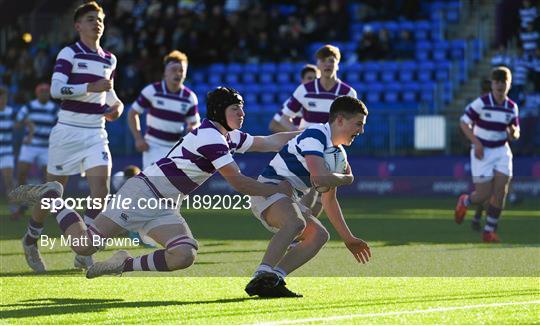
{"type": "Point", "coordinates": [188, 164]}
{"type": "Point", "coordinates": [120, 177]}
{"type": "Point", "coordinates": [38, 116]}
{"type": "Point", "coordinates": [287, 217]}
{"type": "Point", "coordinates": [83, 80]}
{"type": "Point", "coordinates": [171, 111]}
{"type": "Point", "coordinates": [7, 123]}
{"type": "Point", "coordinates": [308, 73]}
{"type": "Point", "coordinates": [489, 122]}
{"type": "Point", "coordinates": [312, 100]}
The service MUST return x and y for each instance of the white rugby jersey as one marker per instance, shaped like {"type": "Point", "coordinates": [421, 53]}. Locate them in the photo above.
{"type": "Point", "coordinates": [313, 101]}
{"type": "Point", "coordinates": [194, 159]}
{"type": "Point", "coordinates": [491, 119]}
{"type": "Point", "coordinates": [7, 120]}
{"type": "Point", "coordinates": [167, 112]}
{"type": "Point", "coordinates": [43, 116]}
{"type": "Point", "coordinates": [290, 162]}
{"type": "Point", "coordinates": [77, 64]}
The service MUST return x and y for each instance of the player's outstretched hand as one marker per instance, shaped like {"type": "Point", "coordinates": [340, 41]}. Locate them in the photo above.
{"type": "Point", "coordinates": [285, 188]}
{"type": "Point", "coordinates": [360, 250]}
{"type": "Point", "coordinates": [99, 86]}
{"type": "Point", "coordinates": [479, 151]}
{"type": "Point", "coordinates": [141, 145]}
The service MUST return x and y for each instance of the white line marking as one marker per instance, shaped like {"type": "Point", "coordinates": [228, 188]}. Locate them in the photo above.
{"type": "Point", "coordinates": [395, 313]}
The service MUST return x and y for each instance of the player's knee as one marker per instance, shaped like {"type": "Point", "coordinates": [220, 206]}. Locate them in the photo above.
{"type": "Point", "coordinates": [321, 235]}
{"type": "Point", "coordinates": [182, 257]}
{"type": "Point", "coordinates": [296, 224]}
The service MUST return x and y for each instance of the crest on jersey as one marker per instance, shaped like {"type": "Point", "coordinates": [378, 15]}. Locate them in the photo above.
{"type": "Point", "coordinates": [312, 104]}
{"type": "Point", "coordinates": [82, 65]}
{"type": "Point", "coordinates": [105, 156]}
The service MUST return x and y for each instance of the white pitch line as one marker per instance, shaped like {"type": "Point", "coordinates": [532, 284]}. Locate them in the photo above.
{"type": "Point", "coordinates": [395, 313]}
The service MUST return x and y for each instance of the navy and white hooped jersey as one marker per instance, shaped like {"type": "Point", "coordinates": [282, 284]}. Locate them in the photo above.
{"type": "Point", "coordinates": [194, 159]}
{"type": "Point", "coordinates": [290, 163]}
{"type": "Point", "coordinates": [7, 121]}
{"type": "Point", "coordinates": [491, 119]}
{"type": "Point", "coordinates": [167, 112]}
{"type": "Point", "coordinates": [314, 102]}
{"type": "Point", "coordinates": [43, 116]}
{"type": "Point", "coordinates": [77, 64]}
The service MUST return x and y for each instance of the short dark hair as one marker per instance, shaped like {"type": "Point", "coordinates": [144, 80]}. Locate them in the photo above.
{"type": "Point", "coordinates": [308, 68]}
{"type": "Point", "coordinates": [346, 106]}
{"type": "Point", "coordinates": [86, 8]}
{"type": "Point", "coordinates": [501, 73]}
{"type": "Point", "coordinates": [328, 51]}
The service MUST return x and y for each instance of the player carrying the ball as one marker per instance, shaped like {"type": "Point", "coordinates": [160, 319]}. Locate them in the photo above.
{"type": "Point", "coordinates": [302, 162]}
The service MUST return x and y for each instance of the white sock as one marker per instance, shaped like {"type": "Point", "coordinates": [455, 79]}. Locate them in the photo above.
{"type": "Point", "coordinates": [263, 268]}
{"type": "Point", "coordinates": [280, 272]}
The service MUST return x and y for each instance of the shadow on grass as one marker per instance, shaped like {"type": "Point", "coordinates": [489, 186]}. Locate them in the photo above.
{"type": "Point", "coordinates": [61, 306]}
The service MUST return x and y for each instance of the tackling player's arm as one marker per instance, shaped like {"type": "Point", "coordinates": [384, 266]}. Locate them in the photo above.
{"type": "Point", "coordinates": [322, 177]}
{"type": "Point", "coordinates": [286, 122]}
{"type": "Point", "coordinates": [358, 247]}
{"type": "Point", "coordinates": [246, 185]}
{"type": "Point", "coordinates": [271, 143]}
{"type": "Point", "coordinates": [276, 126]}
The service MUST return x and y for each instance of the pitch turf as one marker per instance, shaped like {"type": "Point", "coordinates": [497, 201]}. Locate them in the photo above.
{"type": "Point", "coordinates": [425, 269]}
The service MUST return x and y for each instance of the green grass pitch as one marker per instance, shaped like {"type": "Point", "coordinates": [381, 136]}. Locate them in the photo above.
{"type": "Point", "coordinates": [424, 270]}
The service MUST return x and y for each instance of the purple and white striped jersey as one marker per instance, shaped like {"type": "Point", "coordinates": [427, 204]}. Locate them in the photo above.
{"type": "Point", "coordinates": [194, 159]}
{"type": "Point", "coordinates": [167, 112]}
{"type": "Point", "coordinates": [313, 101]}
{"type": "Point", "coordinates": [77, 64]}
{"type": "Point", "coordinates": [295, 121]}
{"type": "Point", "coordinates": [491, 119]}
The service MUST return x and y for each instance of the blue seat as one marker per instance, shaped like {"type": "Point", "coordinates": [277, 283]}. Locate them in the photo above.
{"type": "Point", "coordinates": [251, 67]}
{"type": "Point", "coordinates": [352, 77]}
{"type": "Point", "coordinates": [371, 70]}
{"type": "Point", "coordinates": [427, 92]}
{"type": "Point", "coordinates": [250, 98]}
{"type": "Point", "coordinates": [248, 78]}
{"type": "Point", "coordinates": [268, 67]}
{"type": "Point", "coordinates": [235, 68]}
{"type": "Point", "coordinates": [422, 30]}
{"type": "Point", "coordinates": [425, 71]}
{"type": "Point", "coordinates": [266, 78]}
{"type": "Point", "coordinates": [391, 93]}
{"type": "Point", "coordinates": [388, 71]}
{"type": "Point", "coordinates": [231, 78]}
{"type": "Point", "coordinates": [267, 98]}
{"type": "Point", "coordinates": [410, 92]}
{"type": "Point", "coordinates": [197, 76]}
{"type": "Point", "coordinates": [282, 77]}
{"type": "Point", "coordinates": [215, 78]}
{"type": "Point", "coordinates": [216, 68]}
{"type": "Point", "coordinates": [374, 93]}
{"type": "Point", "coordinates": [286, 67]}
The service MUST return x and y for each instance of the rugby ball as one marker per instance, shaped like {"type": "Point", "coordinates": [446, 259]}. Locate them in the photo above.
{"type": "Point", "coordinates": [335, 159]}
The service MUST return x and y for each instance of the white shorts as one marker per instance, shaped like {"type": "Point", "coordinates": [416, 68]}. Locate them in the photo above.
{"type": "Point", "coordinates": [138, 218]}
{"type": "Point", "coordinates": [7, 162]}
{"type": "Point", "coordinates": [155, 153]}
{"type": "Point", "coordinates": [259, 204]}
{"type": "Point", "coordinates": [31, 154]}
{"type": "Point", "coordinates": [495, 159]}
{"type": "Point", "coordinates": [73, 150]}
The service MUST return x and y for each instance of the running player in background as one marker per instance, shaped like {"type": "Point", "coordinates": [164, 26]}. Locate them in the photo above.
{"type": "Point", "coordinates": [191, 162]}
{"type": "Point", "coordinates": [7, 123]}
{"type": "Point", "coordinates": [171, 111]}
{"type": "Point", "coordinates": [312, 100]}
{"type": "Point", "coordinates": [308, 73]}
{"type": "Point", "coordinates": [83, 80]}
{"type": "Point", "coordinates": [301, 162]}
{"type": "Point", "coordinates": [489, 123]}
{"type": "Point", "coordinates": [38, 116]}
